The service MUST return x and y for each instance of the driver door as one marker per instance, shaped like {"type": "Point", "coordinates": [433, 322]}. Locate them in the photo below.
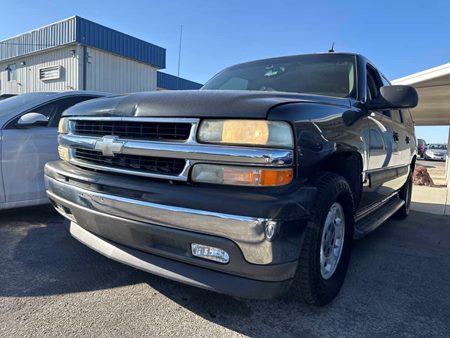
{"type": "Point", "coordinates": [25, 151]}
{"type": "Point", "coordinates": [384, 151]}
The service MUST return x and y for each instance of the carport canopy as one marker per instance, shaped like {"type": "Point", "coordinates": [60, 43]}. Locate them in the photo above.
{"type": "Point", "coordinates": [433, 87]}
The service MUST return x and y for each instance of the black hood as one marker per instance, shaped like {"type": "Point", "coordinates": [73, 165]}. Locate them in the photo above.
{"type": "Point", "coordinates": [194, 103]}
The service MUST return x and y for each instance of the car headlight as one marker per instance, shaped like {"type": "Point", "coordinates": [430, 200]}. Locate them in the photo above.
{"type": "Point", "coordinates": [247, 132]}
{"type": "Point", "coordinates": [63, 126]}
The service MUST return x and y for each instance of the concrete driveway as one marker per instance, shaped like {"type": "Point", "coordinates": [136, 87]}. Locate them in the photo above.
{"type": "Point", "coordinates": [435, 199]}
{"type": "Point", "coordinates": [50, 285]}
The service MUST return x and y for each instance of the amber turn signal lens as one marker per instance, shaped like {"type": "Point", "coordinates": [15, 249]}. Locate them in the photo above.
{"type": "Point", "coordinates": [63, 153]}
{"type": "Point", "coordinates": [276, 177]}
{"type": "Point", "coordinates": [245, 176]}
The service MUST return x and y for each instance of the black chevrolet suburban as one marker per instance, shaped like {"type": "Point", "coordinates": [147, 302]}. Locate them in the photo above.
{"type": "Point", "coordinates": [257, 183]}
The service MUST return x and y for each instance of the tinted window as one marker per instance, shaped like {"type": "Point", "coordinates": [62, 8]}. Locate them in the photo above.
{"type": "Point", "coordinates": [397, 116]}
{"type": "Point", "coordinates": [373, 84]}
{"type": "Point", "coordinates": [331, 75]}
{"type": "Point", "coordinates": [54, 109]}
{"type": "Point", "coordinates": [12, 72]}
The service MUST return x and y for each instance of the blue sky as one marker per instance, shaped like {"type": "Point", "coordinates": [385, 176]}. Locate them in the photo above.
{"type": "Point", "coordinates": [400, 37]}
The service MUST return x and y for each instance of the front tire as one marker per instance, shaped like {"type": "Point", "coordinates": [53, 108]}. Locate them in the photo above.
{"type": "Point", "coordinates": [405, 194]}
{"type": "Point", "coordinates": [327, 244]}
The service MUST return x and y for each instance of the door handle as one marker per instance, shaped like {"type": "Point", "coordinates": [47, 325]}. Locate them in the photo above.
{"type": "Point", "coordinates": [395, 136]}
{"type": "Point", "coordinates": [407, 139]}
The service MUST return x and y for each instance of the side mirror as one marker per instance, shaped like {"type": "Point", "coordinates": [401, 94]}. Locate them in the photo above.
{"type": "Point", "coordinates": [32, 120]}
{"type": "Point", "coordinates": [395, 97]}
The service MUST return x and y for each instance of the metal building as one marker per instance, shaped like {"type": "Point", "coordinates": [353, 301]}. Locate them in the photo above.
{"type": "Point", "coordinates": [170, 82]}
{"type": "Point", "coordinates": [79, 54]}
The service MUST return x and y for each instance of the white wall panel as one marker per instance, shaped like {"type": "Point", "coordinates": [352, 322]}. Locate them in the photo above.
{"type": "Point", "coordinates": [111, 73]}
{"type": "Point", "coordinates": [28, 71]}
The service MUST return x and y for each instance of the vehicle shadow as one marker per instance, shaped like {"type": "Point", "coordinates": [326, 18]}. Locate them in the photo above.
{"type": "Point", "coordinates": [38, 257]}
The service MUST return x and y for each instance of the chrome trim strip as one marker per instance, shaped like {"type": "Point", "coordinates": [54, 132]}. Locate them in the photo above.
{"type": "Point", "coordinates": [135, 118]}
{"type": "Point", "coordinates": [198, 152]}
{"type": "Point", "coordinates": [247, 232]}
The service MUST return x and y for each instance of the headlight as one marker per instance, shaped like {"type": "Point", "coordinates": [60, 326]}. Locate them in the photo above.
{"type": "Point", "coordinates": [247, 132]}
{"type": "Point", "coordinates": [63, 126]}
{"type": "Point", "coordinates": [236, 175]}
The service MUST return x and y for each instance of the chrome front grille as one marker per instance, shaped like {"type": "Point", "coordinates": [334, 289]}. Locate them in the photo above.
{"type": "Point", "coordinates": [148, 164]}
{"type": "Point", "coordinates": [163, 148]}
{"type": "Point", "coordinates": [136, 130]}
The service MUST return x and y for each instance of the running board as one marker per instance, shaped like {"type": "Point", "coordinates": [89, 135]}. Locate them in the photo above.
{"type": "Point", "coordinates": [377, 217]}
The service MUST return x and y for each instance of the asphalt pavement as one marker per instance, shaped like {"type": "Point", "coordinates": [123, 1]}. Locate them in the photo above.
{"type": "Point", "coordinates": [50, 285]}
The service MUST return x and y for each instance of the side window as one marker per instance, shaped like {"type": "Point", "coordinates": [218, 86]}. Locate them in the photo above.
{"type": "Point", "coordinates": [12, 72]}
{"type": "Point", "coordinates": [54, 110]}
{"type": "Point", "coordinates": [374, 83]}
{"type": "Point", "coordinates": [48, 109]}
{"type": "Point", "coordinates": [397, 116]}
{"type": "Point", "coordinates": [62, 105]}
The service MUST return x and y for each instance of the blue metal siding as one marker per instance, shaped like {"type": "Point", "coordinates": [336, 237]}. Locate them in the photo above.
{"type": "Point", "coordinates": [167, 81]}
{"type": "Point", "coordinates": [79, 30]}
{"type": "Point", "coordinates": [101, 37]}
{"type": "Point", "coordinates": [54, 35]}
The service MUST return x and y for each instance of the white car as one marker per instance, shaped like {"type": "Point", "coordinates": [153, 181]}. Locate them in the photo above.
{"type": "Point", "coordinates": [436, 152]}
{"type": "Point", "coordinates": [28, 126]}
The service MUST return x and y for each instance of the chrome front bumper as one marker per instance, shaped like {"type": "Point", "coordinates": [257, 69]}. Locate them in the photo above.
{"type": "Point", "coordinates": [178, 271]}
{"type": "Point", "coordinates": [247, 232]}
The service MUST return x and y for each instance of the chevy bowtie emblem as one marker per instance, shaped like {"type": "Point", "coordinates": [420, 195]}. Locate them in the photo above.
{"type": "Point", "coordinates": [109, 145]}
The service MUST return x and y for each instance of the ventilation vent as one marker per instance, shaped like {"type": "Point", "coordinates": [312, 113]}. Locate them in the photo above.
{"type": "Point", "coordinates": [50, 73]}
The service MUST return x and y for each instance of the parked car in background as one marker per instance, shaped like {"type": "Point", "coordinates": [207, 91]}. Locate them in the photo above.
{"type": "Point", "coordinates": [255, 183]}
{"type": "Point", "coordinates": [28, 126]}
{"type": "Point", "coordinates": [436, 152]}
{"type": "Point", "coordinates": [421, 147]}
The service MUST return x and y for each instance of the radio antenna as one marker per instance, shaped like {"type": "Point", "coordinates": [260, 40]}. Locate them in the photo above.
{"type": "Point", "coordinates": [332, 48]}
{"type": "Point", "coordinates": [179, 57]}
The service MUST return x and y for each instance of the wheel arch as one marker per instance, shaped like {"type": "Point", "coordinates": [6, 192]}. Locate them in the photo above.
{"type": "Point", "coordinates": [349, 165]}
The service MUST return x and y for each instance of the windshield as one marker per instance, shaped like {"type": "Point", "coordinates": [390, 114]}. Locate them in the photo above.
{"type": "Point", "coordinates": [322, 74]}
{"type": "Point", "coordinates": [437, 146]}
{"type": "Point", "coordinates": [15, 102]}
